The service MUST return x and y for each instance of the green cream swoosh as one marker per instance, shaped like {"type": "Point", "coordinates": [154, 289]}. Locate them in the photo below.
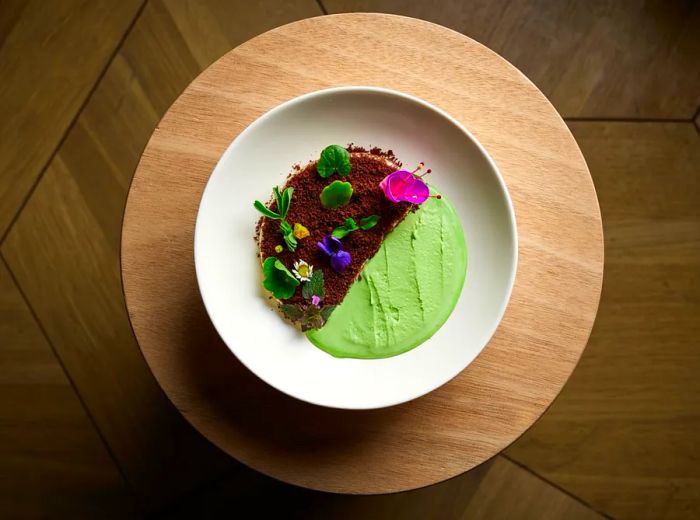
{"type": "Point", "coordinates": [406, 291]}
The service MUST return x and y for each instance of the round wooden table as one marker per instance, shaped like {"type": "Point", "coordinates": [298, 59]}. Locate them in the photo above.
{"type": "Point", "coordinates": [496, 398]}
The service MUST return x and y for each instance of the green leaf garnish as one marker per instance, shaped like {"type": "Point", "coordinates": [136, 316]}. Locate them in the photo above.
{"type": "Point", "coordinates": [336, 194]}
{"type": "Point", "coordinates": [369, 222]}
{"type": "Point", "coordinates": [348, 227]}
{"type": "Point", "coordinates": [283, 201]}
{"type": "Point", "coordinates": [314, 287]}
{"type": "Point", "coordinates": [288, 235]}
{"type": "Point", "coordinates": [278, 280]}
{"type": "Point", "coordinates": [333, 158]}
{"type": "Point", "coordinates": [291, 242]}
{"type": "Point", "coordinates": [293, 312]}
{"type": "Point", "coordinates": [265, 210]}
{"type": "Point", "coordinates": [312, 319]}
{"type": "Point", "coordinates": [326, 311]}
{"type": "Point", "coordinates": [286, 200]}
{"type": "Point", "coordinates": [310, 316]}
{"type": "Point", "coordinates": [278, 198]}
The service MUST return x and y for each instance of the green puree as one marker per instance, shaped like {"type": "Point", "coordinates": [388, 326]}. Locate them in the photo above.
{"type": "Point", "coordinates": [407, 290]}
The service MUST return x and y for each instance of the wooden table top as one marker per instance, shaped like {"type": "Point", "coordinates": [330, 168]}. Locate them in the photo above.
{"type": "Point", "coordinates": [489, 404]}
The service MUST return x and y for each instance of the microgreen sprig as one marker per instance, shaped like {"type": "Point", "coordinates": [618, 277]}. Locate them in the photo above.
{"type": "Point", "coordinates": [283, 199]}
{"type": "Point", "coordinates": [350, 226]}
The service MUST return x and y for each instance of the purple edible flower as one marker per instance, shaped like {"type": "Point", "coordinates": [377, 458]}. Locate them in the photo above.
{"type": "Point", "coordinates": [403, 185]}
{"type": "Point", "coordinates": [333, 248]}
{"type": "Point", "coordinates": [315, 300]}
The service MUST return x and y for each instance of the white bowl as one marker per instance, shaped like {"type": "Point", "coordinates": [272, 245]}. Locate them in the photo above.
{"type": "Point", "coordinates": [296, 131]}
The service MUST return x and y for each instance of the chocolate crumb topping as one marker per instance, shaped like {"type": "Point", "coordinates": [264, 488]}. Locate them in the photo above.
{"type": "Point", "coordinates": [368, 169]}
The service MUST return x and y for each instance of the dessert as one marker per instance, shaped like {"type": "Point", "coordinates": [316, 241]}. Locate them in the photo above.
{"type": "Point", "coordinates": [365, 257]}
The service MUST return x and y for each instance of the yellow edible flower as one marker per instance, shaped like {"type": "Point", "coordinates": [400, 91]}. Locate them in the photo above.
{"type": "Point", "coordinates": [278, 248]}
{"type": "Point", "coordinates": [300, 231]}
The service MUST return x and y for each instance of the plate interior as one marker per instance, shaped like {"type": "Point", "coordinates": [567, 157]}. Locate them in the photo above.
{"type": "Point", "coordinates": [260, 157]}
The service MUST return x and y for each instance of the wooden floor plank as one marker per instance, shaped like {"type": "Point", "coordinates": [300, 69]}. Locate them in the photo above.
{"type": "Point", "coordinates": [508, 491]}
{"type": "Point", "coordinates": [50, 58]}
{"type": "Point", "coordinates": [604, 59]}
{"type": "Point", "coordinates": [10, 11]}
{"type": "Point", "coordinates": [494, 490]}
{"type": "Point", "coordinates": [52, 462]}
{"type": "Point", "coordinates": [214, 27]}
{"type": "Point", "coordinates": [71, 226]}
{"type": "Point", "coordinates": [83, 312]}
{"type": "Point", "coordinates": [623, 435]}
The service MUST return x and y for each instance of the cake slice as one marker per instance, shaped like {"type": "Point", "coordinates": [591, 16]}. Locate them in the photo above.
{"type": "Point", "coordinates": [316, 246]}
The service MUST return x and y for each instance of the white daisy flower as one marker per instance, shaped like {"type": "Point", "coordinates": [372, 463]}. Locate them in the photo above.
{"type": "Point", "coordinates": [303, 270]}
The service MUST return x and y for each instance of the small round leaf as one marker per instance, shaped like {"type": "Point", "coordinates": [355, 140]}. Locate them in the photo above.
{"type": "Point", "coordinates": [336, 194]}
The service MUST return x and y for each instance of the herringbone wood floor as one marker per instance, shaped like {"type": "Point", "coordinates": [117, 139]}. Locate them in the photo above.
{"type": "Point", "coordinates": [85, 429]}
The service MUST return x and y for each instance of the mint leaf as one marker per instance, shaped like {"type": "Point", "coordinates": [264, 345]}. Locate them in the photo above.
{"type": "Point", "coordinates": [293, 312]}
{"type": "Point", "coordinates": [265, 210]}
{"type": "Point", "coordinates": [348, 227]}
{"type": "Point", "coordinates": [314, 287]}
{"type": "Point", "coordinates": [336, 194]}
{"type": "Point", "coordinates": [326, 311]}
{"type": "Point", "coordinates": [333, 158]}
{"type": "Point", "coordinates": [315, 318]}
{"type": "Point", "coordinates": [312, 319]}
{"type": "Point", "coordinates": [369, 222]}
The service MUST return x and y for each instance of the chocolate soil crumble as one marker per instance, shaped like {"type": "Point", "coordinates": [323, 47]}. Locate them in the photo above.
{"type": "Point", "coordinates": [368, 168]}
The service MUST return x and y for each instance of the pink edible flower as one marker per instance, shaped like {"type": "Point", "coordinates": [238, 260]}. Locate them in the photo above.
{"type": "Point", "coordinates": [405, 186]}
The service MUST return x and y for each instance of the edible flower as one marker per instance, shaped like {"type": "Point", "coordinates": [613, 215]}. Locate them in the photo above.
{"type": "Point", "coordinates": [302, 270]}
{"type": "Point", "coordinates": [315, 300]}
{"type": "Point", "coordinates": [405, 186]}
{"type": "Point", "coordinates": [333, 248]}
{"type": "Point", "coordinates": [300, 231]}
{"type": "Point", "coordinates": [278, 248]}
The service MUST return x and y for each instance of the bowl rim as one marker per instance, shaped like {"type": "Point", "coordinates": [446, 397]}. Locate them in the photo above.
{"type": "Point", "coordinates": [388, 92]}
